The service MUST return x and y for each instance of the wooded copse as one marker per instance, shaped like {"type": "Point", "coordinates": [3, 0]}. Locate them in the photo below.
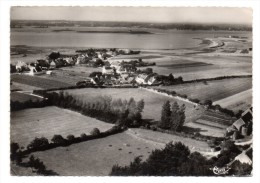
{"type": "Point", "coordinates": [172, 117]}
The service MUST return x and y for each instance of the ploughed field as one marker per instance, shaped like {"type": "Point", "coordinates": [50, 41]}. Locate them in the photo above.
{"type": "Point", "coordinates": [23, 97]}
{"type": "Point", "coordinates": [153, 101]}
{"type": "Point", "coordinates": [96, 157]}
{"type": "Point", "coordinates": [48, 121]}
{"type": "Point", "coordinates": [211, 90]}
{"type": "Point", "coordinates": [211, 123]}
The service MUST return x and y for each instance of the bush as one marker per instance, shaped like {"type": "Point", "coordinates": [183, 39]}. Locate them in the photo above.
{"type": "Point", "coordinates": [83, 136]}
{"type": "Point", "coordinates": [58, 139]}
{"type": "Point", "coordinates": [71, 138]}
{"type": "Point", "coordinates": [38, 143]}
{"type": "Point", "coordinates": [95, 132]}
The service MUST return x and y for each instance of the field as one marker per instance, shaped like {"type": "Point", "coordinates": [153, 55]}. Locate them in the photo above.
{"type": "Point", "coordinates": [39, 82]}
{"type": "Point", "coordinates": [48, 121]}
{"type": "Point", "coordinates": [199, 66]}
{"type": "Point", "coordinates": [24, 87]}
{"type": "Point", "coordinates": [153, 101]}
{"type": "Point", "coordinates": [211, 124]}
{"type": "Point", "coordinates": [211, 90]}
{"type": "Point", "coordinates": [96, 157]}
{"type": "Point", "coordinates": [22, 97]}
{"type": "Point", "coordinates": [239, 101]}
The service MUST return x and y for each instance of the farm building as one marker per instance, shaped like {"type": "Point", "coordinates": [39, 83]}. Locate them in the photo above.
{"type": "Point", "coordinates": [21, 66]}
{"type": "Point", "coordinates": [126, 68]}
{"type": "Point", "coordinates": [69, 60]}
{"type": "Point", "coordinates": [116, 64]}
{"type": "Point", "coordinates": [107, 70]}
{"type": "Point", "coordinates": [141, 78]}
{"type": "Point", "coordinates": [82, 59]}
{"type": "Point", "coordinates": [149, 79]}
{"type": "Point", "coordinates": [35, 70]}
{"type": "Point", "coordinates": [243, 126]}
{"type": "Point", "coordinates": [243, 158]}
{"type": "Point", "coordinates": [58, 63]}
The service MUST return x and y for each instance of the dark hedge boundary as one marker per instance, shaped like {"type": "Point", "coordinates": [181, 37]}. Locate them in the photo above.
{"type": "Point", "coordinates": [112, 131]}
{"type": "Point", "coordinates": [217, 78]}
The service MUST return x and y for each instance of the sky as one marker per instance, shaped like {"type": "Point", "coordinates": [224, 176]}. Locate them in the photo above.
{"type": "Point", "coordinates": [137, 14]}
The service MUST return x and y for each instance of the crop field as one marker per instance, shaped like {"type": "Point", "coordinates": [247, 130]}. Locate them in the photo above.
{"type": "Point", "coordinates": [211, 90]}
{"type": "Point", "coordinates": [239, 101]}
{"type": "Point", "coordinates": [39, 82]}
{"type": "Point", "coordinates": [211, 123]}
{"type": "Point", "coordinates": [165, 138]}
{"type": "Point", "coordinates": [48, 121]}
{"type": "Point", "coordinates": [192, 67]}
{"type": "Point", "coordinates": [19, 86]}
{"type": "Point", "coordinates": [23, 97]}
{"type": "Point", "coordinates": [153, 101]}
{"type": "Point", "coordinates": [96, 157]}
{"type": "Point", "coordinates": [79, 71]}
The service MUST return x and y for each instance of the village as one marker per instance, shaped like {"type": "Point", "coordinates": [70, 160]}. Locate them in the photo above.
{"type": "Point", "coordinates": [113, 72]}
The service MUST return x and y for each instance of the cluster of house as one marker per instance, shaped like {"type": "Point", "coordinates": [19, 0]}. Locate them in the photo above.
{"type": "Point", "coordinates": [42, 66]}
{"type": "Point", "coordinates": [114, 72]}
{"type": "Point", "coordinates": [121, 72]}
{"type": "Point", "coordinates": [242, 127]}
{"type": "Point", "coordinates": [90, 57]}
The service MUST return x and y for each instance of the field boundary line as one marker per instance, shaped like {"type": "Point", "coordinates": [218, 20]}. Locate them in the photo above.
{"type": "Point", "coordinates": [30, 93]}
{"type": "Point", "coordinates": [167, 95]}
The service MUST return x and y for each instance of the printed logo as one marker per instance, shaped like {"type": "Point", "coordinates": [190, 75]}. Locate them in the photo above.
{"type": "Point", "coordinates": [220, 171]}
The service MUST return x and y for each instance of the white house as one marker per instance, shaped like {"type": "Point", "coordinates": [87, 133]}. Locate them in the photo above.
{"type": "Point", "coordinates": [35, 71]}
{"type": "Point", "coordinates": [107, 70]}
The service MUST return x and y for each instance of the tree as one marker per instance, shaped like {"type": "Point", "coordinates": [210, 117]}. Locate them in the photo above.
{"type": "Point", "coordinates": [38, 143]}
{"type": "Point", "coordinates": [58, 139]}
{"type": "Point", "coordinates": [99, 62]}
{"type": "Point", "coordinates": [182, 116]}
{"type": "Point", "coordinates": [165, 115]}
{"type": "Point", "coordinates": [171, 77]}
{"type": "Point", "coordinates": [83, 136]}
{"type": "Point", "coordinates": [37, 164]}
{"type": "Point", "coordinates": [95, 131]}
{"type": "Point", "coordinates": [175, 117]}
{"type": "Point", "coordinates": [54, 55]}
{"type": "Point", "coordinates": [14, 148]}
{"type": "Point", "coordinates": [208, 103]}
{"type": "Point", "coordinates": [71, 137]}
{"type": "Point", "coordinates": [140, 105]}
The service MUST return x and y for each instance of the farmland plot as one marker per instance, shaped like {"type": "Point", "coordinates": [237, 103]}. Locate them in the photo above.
{"type": "Point", "coordinates": [39, 82]}
{"type": "Point", "coordinates": [213, 66]}
{"type": "Point", "coordinates": [240, 101]}
{"type": "Point", "coordinates": [96, 157]}
{"type": "Point", "coordinates": [153, 101]}
{"type": "Point", "coordinates": [48, 121]}
{"type": "Point", "coordinates": [23, 97]}
{"type": "Point", "coordinates": [211, 90]}
{"type": "Point", "coordinates": [211, 123]}
{"type": "Point", "coordinates": [24, 87]}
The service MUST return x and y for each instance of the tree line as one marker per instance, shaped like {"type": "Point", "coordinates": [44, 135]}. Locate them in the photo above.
{"type": "Point", "coordinates": [122, 112]}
